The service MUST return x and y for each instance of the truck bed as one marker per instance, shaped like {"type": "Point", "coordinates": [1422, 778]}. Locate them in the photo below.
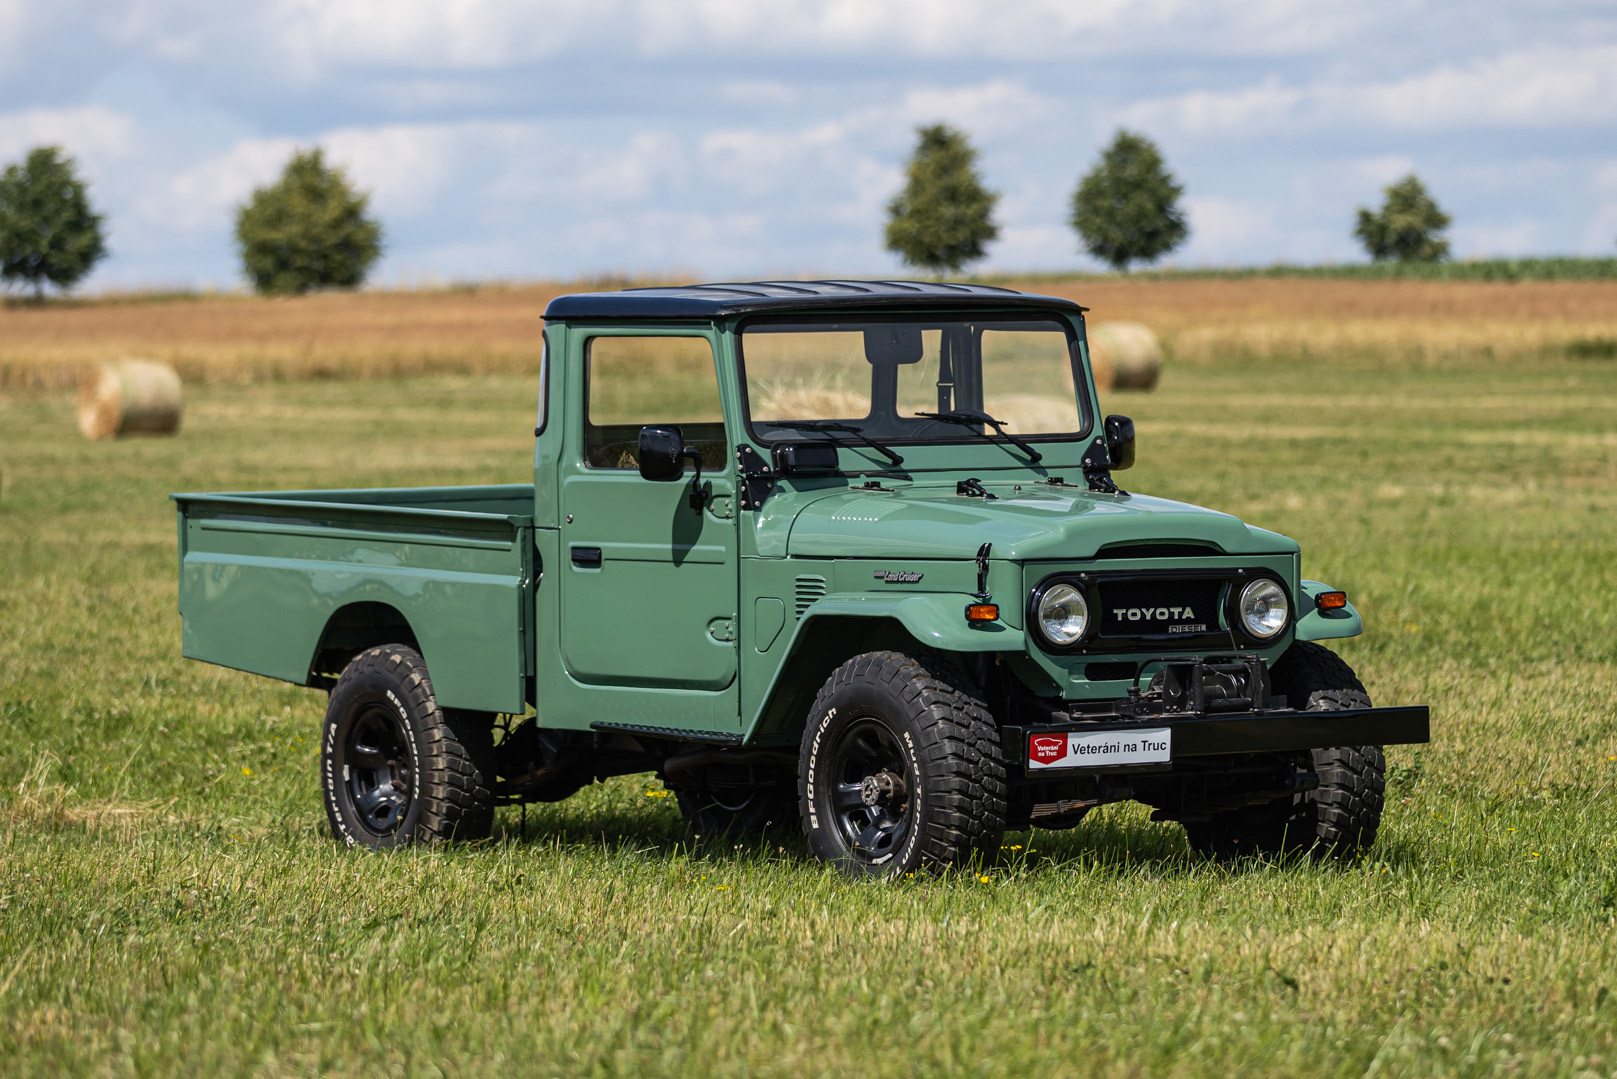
{"type": "Point", "coordinates": [279, 583]}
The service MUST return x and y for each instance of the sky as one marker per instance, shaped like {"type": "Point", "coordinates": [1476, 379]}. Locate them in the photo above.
{"type": "Point", "coordinates": [744, 138]}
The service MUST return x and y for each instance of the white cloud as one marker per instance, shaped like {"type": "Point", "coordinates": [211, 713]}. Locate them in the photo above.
{"type": "Point", "coordinates": [1219, 225]}
{"type": "Point", "coordinates": [1600, 235]}
{"type": "Point", "coordinates": [92, 133]}
{"type": "Point", "coordinates": [1550, 87]}
{"type": "Point", "coordinates": [1383, 170]}
{"type": "Point", "coordinates": [1497, 239]}
{"type": "Point", "coordinates": [202, 195]}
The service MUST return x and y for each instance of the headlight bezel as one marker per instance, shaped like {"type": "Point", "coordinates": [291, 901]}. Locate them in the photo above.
{"type": "Point", "coordinates": [1237, 615]}
{"type": "Point", "coordinates": [1037, 607]}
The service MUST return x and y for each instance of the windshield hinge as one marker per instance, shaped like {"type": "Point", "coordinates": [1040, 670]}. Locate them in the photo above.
{"type": "Point", "coordinates": [972, 487]}
{"type": "Point", "coordinates": [757, 481]}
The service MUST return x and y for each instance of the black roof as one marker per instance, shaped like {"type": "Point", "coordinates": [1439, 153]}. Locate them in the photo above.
{"type": "Point", "coordinates": [740, 298]}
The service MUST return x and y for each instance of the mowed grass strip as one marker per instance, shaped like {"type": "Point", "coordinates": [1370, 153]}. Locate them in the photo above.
{"type": "Point", "coordinates": [170, 902]}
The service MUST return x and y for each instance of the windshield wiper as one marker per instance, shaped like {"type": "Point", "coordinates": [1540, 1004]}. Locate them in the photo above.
{"type": "Point", "coordinates": [832, 425]}
{"type": "Point", "coordinates": [965, 417]}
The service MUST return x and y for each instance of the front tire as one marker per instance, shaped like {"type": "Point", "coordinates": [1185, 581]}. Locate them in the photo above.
{"type": "Point", "coordinates": [397, 769]}
{"type": "Point", "coordinates": [1342, 815]}
{"type": "Point", "coordinates": [901, 768]}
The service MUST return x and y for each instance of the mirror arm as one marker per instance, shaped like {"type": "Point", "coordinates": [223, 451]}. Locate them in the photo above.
{"type": "Point", "coordinates": [698, 496]}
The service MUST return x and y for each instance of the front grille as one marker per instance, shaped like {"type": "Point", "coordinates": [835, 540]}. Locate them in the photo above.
{"type": "Point", "coordinates": [1167, 607]}
{"type": "Point", "coordinates": [809, 589]}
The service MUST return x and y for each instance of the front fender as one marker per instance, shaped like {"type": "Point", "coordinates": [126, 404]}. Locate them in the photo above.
{"type": "Point", "coordinates": [1317, 625]}
{"type": "Point", "coordinates": [935, 619]}
{"type": "Point", "coordinates": [837, 628]}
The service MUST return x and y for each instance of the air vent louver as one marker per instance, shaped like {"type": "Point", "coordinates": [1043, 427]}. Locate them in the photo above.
{"type": "Point", "coordinates": [809, 589]}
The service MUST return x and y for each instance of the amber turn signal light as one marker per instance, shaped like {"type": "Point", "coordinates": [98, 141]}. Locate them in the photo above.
{"type": "Point", "coordinates": [982, 612]}
{"type": "Point", "coordinates": [1331, 601]}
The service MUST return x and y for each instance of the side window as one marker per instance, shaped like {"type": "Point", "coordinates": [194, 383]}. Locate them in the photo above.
{"type": "Point", "coordinates": [631, 382]}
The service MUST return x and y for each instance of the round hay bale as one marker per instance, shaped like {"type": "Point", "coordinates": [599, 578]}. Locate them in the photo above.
{"type": "Point", "coordinates": [1131, 351]}
{"type": "Point", "coordinates": [1100, 362]}
{"type": "Point", "coordinates": [129, 397]}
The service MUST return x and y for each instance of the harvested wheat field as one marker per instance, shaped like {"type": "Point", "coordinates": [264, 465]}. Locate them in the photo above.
{"type": "Point", "coordinates": [232, 338]}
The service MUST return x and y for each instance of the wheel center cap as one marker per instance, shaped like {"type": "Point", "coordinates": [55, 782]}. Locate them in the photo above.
{"type": "Point", "coordinates": [882, 789]}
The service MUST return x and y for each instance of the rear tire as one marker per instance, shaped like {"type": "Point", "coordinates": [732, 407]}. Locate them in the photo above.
{"type": "Point", "coordinates": [901, 768]}
{"type": "Point", "coordinates": [397, 769]}
{"type": "Point", "coordinates": [1343, 814]}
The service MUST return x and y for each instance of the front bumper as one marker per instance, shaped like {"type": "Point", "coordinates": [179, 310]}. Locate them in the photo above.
{"type": "Point", "coordinates": [1228, 733]}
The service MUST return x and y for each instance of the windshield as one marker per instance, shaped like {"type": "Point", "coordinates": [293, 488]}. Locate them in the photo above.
{"type": "Point", "coordinates": [879, 379]}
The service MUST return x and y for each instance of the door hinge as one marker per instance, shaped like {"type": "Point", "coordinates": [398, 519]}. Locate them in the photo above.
{"type": "Point", "coordinates": [722, 629]}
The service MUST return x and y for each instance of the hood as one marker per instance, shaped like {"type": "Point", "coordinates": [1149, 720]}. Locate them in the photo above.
{"type": "Point", "coordinates": [1039, 522]}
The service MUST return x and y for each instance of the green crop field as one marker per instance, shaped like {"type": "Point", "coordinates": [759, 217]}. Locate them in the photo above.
{"type": "Point", "coordinates": [170, 902]}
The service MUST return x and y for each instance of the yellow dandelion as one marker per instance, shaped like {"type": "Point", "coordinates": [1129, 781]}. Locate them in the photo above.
{"type": "Point", "coordinates": [983, 878]}
{"type": "Point", "coordinates": [246, 771]}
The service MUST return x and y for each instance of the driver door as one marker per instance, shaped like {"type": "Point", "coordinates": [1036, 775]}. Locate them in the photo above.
{"type": "Point", "coordinates": [650, 579]}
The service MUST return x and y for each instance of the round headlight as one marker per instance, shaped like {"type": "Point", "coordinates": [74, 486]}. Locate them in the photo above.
{"type": "Point", "coordinates": [1264, 608]}
{"type": "Point", "coordinates": [1063, 614]}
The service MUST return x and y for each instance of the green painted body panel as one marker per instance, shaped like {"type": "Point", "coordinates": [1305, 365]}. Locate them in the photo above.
{"type": "Point", "coordinates": [927, 519]}
{"type": "Point", "coordinates": [1317, 625]}
{"type": "Point", "coordinates": [261, 575]}
{"type": "Point", "coordinates": [710, 619]}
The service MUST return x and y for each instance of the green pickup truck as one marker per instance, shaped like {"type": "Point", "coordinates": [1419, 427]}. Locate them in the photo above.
{"type": "Point", "coordinates": [848, 553]}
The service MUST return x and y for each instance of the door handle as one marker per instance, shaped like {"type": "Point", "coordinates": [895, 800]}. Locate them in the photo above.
{"type": "Point", "coordinates": [587, 557]}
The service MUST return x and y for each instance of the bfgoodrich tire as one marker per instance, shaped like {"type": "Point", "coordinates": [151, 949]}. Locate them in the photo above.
{"type": "Point", "coordinates": [901, 768]}
{"type": "Point", "coordinates": [397, 769]}
{"type": "Point", "coordinates": [1343, 814]}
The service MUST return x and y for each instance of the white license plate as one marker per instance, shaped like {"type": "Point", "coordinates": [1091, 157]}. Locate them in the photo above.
{"type": "Point", "coordinates": [1099, 749]}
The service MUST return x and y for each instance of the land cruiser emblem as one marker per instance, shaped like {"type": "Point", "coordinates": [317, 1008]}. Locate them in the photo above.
{"type": "Point", "coordinates": [897, 576]}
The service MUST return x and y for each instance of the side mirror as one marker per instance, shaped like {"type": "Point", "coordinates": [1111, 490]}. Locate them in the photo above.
{"type": "Point", "coordinates": [662, 453]}
{"type": "Point", "coordinates": [1119, 441]}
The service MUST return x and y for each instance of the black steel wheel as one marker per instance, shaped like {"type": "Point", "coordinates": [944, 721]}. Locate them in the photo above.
{"type": "Point", "coordinates": [379, 770]}
{"type": "Point", "coordinates": [873, 777]}
{"type": "Point", "coordinates": [396, 768]}
{"type": "Point", "coordinates": [900, 768]}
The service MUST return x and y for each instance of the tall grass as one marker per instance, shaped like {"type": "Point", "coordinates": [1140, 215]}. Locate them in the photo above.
{"type": "Point", "coordinates": [496, 330]}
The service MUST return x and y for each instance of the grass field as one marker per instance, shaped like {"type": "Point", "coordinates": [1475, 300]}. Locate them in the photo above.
{"type": "Point", "coordinates": [495, 330]}
{"type": "Point", "coordinates": [170, 903]}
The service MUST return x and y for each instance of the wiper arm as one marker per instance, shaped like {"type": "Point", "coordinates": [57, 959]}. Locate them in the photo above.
{"type": "Point", "coordinates": [832, 425]}
{"type": "Point", "coordinates": [965, 417]}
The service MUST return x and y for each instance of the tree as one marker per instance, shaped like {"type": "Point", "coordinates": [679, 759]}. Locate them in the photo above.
{"type": "Point", "coordinates": [307, 230]}
{"type": "Point", "coordinates": [48, 231]}
{"type": "Point", "coordinates": [944, 216]}
{"type": "Point", "coordinates": [1127, 208]}
{"type": "Point", "coordinates": [1409, 227]}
